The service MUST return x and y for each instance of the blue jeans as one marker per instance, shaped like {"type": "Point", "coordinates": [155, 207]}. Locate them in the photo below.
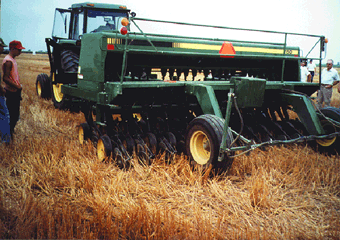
{"type": "Point", "coordinates": [13, 105]}
{"type": "Point", "coordinates": [5, 135]}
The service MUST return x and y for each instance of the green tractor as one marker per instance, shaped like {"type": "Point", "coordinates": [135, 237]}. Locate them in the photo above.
{"type": "Point", "coordinates": [64, 46]}
{"type": "Point", "coordinates": [212, 99]}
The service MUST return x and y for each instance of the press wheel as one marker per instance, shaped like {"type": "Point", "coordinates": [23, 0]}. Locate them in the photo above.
{"type": "Point", "coordinates": [104, 148]}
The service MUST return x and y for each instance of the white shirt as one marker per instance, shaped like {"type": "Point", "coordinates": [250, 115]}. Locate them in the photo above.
{"type": "Point", "coordinates": [329, 77]}
{"type": "Point", "coordinates": [311, 67]}
{"type": "Point", "coordinates": [304, 74]}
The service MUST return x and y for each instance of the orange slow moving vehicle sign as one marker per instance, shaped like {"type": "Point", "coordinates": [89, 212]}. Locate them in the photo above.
{"type": "Point", "coordinates": [228, 49]}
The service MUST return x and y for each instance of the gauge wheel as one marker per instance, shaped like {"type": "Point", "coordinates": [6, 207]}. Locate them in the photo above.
{"type": "Point", "coordinates": [204, 137]}
{"type": "Point", "coordinates": [330, 145]}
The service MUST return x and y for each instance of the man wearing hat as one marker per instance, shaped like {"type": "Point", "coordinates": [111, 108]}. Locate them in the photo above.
{"type": "Point", "coordinates": [12, 83]}
{"type": "Point", "coordinates": [5, 135]}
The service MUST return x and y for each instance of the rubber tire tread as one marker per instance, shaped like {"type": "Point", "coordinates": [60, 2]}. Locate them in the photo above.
{"type": "Point", "coordinates": [42, 85]}
{"type": "Point", "coordinates": [107, 145]}
{"type": "Point", "coordinates": [69, 61]}
{"type": "Point", "coordinates": [227, 162]}
{"type": "Point", "coordinates": [45, 85]}
{"type": "Point", "coordinates": [207, 122]}
{"type": "Point", "coordinates": [216, 124]}
{"type": "Point", "coordinates": [87, 130]}
{"type": "Point", "coordinates": [333, 113]}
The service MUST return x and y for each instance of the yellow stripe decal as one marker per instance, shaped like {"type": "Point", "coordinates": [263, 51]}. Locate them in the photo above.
{"type": "Point", "coordinates": [237, 49]}
{"type": "Point", "coordinates": [265, 50]}
{"type": "Point", "coordinates": [197, 46]}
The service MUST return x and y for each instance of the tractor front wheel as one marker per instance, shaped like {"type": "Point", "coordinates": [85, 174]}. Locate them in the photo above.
{"type": "Point", "coordinates": [43, 86]}
{"type": "Point", "coordinates": [58, 97]}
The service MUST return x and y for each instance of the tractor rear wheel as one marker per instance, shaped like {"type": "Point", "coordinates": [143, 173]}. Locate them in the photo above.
{"type": "Point", "coordinates": [204, 137]}
{"type": "Point", "coordinates": [43, 86]}
{"type": "Point", "coordinates": [69, 61]}
{"type": "Point", "coordinates": [330, 145]}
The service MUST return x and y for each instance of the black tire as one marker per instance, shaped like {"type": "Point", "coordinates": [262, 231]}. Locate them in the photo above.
{"type": "Point", "coordinates": [203, 140]}
{"type": "Point", "coordinates": [69, 61]}
{"type": "Point", "coordinates": [329, 145]}
{"type": "Point", "coordinates": [84, 132]}
{"type": "Point", "coordinates": [104, 148]}
{"type": "Point", "coordinates": [43, 86]}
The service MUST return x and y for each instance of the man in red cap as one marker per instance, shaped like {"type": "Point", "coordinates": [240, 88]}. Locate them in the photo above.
{"type": "Point", "coordinates": [12, 83]}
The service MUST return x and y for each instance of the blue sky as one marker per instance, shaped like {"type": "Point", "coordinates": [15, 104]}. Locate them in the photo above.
{"type": "Point", "coordinates": [30, 21]}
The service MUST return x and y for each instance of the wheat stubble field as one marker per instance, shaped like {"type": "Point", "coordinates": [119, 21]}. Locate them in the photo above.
{"type": "Point", "coordinates": [53, 188]}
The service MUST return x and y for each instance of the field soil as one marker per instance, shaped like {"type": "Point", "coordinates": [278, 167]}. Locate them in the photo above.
{"type": "Point", "coordinates": [51, 187]}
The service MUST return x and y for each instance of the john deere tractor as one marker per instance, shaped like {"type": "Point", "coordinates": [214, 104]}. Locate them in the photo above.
{"type": "Point", "coordinates": [211, 98]}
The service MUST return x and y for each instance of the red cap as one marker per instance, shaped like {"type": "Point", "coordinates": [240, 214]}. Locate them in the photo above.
{"type": "Point", "coordinates": [16, 44]}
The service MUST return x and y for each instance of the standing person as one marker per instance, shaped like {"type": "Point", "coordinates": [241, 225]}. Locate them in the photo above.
{"type": "Point", "coordinates": [305, 74]}
{"type": "Point", "coordinates": [12, 83]}
{"type": "Point", "coordinates": [329, 78]}
{"type": "Point", "coordinates": [311, 68]}
{"type": "Point", "coordinates": [5, 135]}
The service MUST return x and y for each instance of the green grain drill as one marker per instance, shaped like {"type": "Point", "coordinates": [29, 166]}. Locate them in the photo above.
{"type": "Point", "coordinates": [213, 99]}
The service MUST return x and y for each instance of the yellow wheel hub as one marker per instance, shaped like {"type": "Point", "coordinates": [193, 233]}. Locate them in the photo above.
{"type": "Point", "coordinates": [39, 89]}
{"type": "Point", "coordinates": [329, 129]}
{"type": "Point", "coordinates": [101, 152]}
{"type": "Point", "coordinates": [81, 135]}
{"type": "Point", "coordinates": [326, 142]}
{"type": "Point", "coordinates": [58, 95]}
{"type": "Point", "coordinates": [200, 147]}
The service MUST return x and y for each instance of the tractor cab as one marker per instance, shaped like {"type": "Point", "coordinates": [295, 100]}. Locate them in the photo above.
{"type": "Point", "coordinates": [83, 18]}
{"type": "Point", "coordinates": [63, 48]}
